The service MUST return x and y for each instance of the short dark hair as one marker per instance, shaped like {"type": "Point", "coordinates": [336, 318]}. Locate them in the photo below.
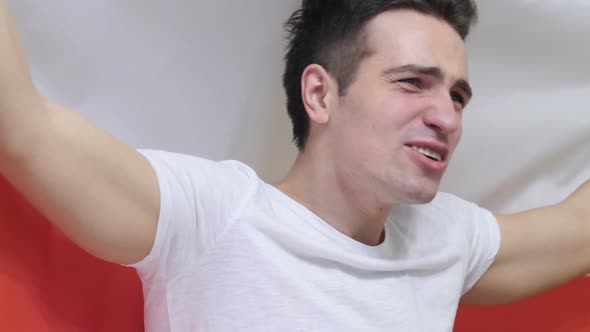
{"type": "Point", "coordinates": [331, 33]}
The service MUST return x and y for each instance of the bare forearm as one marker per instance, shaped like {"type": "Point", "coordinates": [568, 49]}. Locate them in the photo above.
{"type": "Point", "coordinates": [21, 126]}
{"type": "Point", "coordinates": [541, 248]}
{"type": "Point", "coordinates": [579, 202]}
{"type": "Point", "coordinates": [22, 109]}
{"type": "Point", "coordinates": [100, 192]}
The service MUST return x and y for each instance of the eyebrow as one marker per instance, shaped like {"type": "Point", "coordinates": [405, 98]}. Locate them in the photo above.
{"type": "Point", "coordinates": [435, 72]}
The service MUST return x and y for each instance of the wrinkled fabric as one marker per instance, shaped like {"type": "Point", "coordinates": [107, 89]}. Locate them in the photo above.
{"type": "Point", "coordinates": [204, 78]}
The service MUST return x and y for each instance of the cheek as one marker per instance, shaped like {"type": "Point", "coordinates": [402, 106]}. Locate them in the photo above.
{"type": "Point", "coordinates": [404, 108]}
{"type": "Point", "coordinates": [401, 108]}
{"type": "Point", "coordinates": [455, 138]}
{"type": "Point", "coordinates": [459, 132]}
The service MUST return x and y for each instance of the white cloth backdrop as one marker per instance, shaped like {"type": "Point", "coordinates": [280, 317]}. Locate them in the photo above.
{"type": "Point", "coordinates": [204, 78]}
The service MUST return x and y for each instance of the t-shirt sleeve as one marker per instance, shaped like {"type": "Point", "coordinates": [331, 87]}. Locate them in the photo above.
{"type": "Point", "coordinates": [483, 242]}
{"type": "Point", "coordinates": [198, 200]}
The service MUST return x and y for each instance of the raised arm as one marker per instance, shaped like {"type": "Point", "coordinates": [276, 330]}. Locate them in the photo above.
{"type": "Point", "coordinates": [541, 249]}
{"type": "Point", "coordinates": [100, 192]}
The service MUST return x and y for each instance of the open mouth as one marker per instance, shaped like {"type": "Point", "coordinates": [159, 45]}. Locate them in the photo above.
{"type": "Point", "coordinates": [431, 154]}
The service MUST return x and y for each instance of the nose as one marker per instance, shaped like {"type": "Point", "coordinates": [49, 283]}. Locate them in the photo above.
{"type": "Point", "coordinates": [442, 116]}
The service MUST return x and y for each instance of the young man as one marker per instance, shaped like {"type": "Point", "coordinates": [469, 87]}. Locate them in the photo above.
{"type": "Point", "coordinates": [355, 237]}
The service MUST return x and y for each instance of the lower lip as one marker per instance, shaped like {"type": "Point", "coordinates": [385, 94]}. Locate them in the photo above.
{"type": "Point", "coordinates": [427, 163]}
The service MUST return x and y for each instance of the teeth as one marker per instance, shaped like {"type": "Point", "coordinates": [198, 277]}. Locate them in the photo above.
{"type": "Point", "coordinates": [428, 153]}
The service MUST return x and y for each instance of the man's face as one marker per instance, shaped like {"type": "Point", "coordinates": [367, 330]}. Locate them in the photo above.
{"type": "Point", "coordinates": [400, 120]}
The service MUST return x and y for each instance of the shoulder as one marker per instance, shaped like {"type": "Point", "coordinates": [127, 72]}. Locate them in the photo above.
{"type": "Point", "coordinates": [448, 202]}
{"type": "Point", "coordinates": [444, 213]}
{"type": "Point", "coordinates": [443, 204]}
{"type": "Point", "coordinates": [199, 182]}
{"type": "Point", "coordinates": [189, 166]}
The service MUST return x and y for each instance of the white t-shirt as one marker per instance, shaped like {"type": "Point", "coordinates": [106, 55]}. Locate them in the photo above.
{"type": "Point", "coordinates": [233, 253]}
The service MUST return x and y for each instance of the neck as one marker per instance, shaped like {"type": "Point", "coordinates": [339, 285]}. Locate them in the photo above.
{"type": "Point", "coordinates": [340, 201]}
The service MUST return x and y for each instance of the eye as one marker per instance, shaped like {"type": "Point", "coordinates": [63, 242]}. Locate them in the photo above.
{"type": "Point", "coordinates": [458, 98]}
{"type": "Point", "coordinates": [416, 82]}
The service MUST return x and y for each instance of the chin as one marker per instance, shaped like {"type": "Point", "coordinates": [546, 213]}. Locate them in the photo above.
{"type": "Point", "coordinates": [422, 194]}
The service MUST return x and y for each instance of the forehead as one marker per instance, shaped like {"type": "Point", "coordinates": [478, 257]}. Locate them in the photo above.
{"type": "Point", "coordinates": [400, 37]}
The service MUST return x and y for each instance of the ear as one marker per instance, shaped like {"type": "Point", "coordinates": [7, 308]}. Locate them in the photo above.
{"type": "Point", "coordinates": [317, 89]}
